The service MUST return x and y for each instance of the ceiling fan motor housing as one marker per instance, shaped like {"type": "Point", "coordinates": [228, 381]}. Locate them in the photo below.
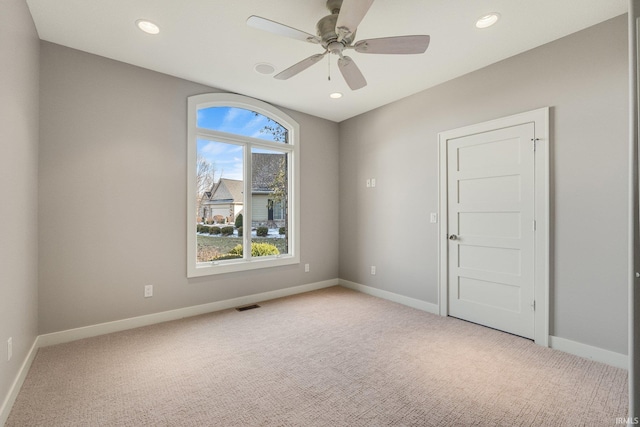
{"type": "Point", "coordinates": [326, 29]}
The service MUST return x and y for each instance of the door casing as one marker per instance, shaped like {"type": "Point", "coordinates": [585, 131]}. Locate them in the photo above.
{"type": "Point", "coordinates": [540, 119]}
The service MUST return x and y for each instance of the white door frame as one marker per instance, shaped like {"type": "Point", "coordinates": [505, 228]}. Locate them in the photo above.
{"type": "Point", "coordinates": [540, 119]}
{"type": "Point", "coordinates": [634, 209]}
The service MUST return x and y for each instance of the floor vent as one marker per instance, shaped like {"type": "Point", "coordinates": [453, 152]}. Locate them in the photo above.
{"type": "Point", "coordinates": [247, 307]}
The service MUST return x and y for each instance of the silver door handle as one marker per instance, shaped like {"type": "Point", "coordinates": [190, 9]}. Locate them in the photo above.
{"type": "Point", "coordinates": [453, 237]}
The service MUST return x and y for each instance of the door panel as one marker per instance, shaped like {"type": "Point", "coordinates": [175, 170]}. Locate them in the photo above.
{"type": "Point", "coordinates": [491, 212]}
{"type": "Point", "coordinates": [496, 189]}
{"type": "Point", "coordinates": [489, 293]}
{"type": "Point", "coordinates": [490, 224]}
{"type": "Point", "coordinates": [494, 259]}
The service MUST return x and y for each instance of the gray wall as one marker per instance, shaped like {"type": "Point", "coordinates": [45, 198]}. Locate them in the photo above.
{"type": "Point", "coordinates": [19, 47]}
{"type": "Point", "coordinates": [110, 194]}
{"type": "Point", "coordinates": [113, 192]}
{"type": "Point", "coordinates": [583, 77]}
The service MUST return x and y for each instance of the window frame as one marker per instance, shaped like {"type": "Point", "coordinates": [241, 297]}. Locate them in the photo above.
{"type": "Point", "coordinates": [292, 148]}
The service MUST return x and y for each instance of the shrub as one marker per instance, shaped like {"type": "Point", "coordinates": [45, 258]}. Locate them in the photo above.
{"type": "Point", "coordinates": [236, 251]}
{"type": "Point", "coordinates": [257, 249]}
{"type": "Point", "coordinates": [238, 222]}
{"type": "Point", "coordinates": [227, 256]}
{"type": "Point", "coordinates": [239, 231]}
{"type": "Point", "coordinates": [206, 253]}
{"type": "Point", "coordinates": [214, 230]}
{"type": "Point", "coordinates": [262, 231]}
{"type": "Point", "coordinates": [281, 231]}
{"type": "Point", "coordinates": [263, 249]}
{"type": "Point", "coordinates": [205, 229]}
{"type": "Point", "coordinates": [227, 231]}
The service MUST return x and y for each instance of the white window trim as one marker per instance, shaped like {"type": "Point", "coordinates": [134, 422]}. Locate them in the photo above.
{"type": "Point", "coordinates": [197, 102]}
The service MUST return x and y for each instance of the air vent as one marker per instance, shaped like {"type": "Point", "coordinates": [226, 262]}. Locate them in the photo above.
{"type": "Point", "coordinates": [248, 307]}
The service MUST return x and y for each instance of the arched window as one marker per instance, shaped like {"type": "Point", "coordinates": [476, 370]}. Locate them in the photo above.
{"type": "Point", "coordinates": [243, 180]}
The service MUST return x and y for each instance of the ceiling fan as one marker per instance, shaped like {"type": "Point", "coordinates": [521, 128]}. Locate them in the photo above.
{"type": "Point", "coordinates": [336, 33]}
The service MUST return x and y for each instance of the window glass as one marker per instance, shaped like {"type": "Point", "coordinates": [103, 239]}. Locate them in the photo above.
{"type": "Point", "coordinates": [220, 200]}
{"type": "Point", "coordinates": [240, 121]}
{"type": "Point", "coordinates": [269, 193]}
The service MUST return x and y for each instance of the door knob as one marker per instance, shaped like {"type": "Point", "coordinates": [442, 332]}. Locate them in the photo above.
{"type": "Point", "coordinates": [453, 237]}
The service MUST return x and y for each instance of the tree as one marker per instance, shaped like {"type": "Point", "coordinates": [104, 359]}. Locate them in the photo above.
{"type": "Point", "coordinates": [204, 180]}
{"type": "Point", "coordinates": [280, 194]}
{"type": "Point", "coordinates": [276, 130]}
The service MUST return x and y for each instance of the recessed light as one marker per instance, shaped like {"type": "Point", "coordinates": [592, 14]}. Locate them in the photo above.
{"type": "Point", "coordinates": [335, 95]}
{"type": "Point", "coordinates": [487, 20]}
{"type": "Point", "coordinates": [147, 26]}
{"type": "Point", "coordinates": [264, 68]}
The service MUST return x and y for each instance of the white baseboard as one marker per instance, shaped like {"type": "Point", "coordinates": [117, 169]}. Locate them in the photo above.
{"type": "Point", "coordinates": [135, 322]}
{"type": "Point", "coordinates": [589, 352]}
{"type": "Point", "coordinates": [150, 319]}
{"type": "Point", "coordinates": [562, 344]}
{"type": "Point", "coordinates": [400, 299]}
{"type": "Point", "coordinates": [5, 409]}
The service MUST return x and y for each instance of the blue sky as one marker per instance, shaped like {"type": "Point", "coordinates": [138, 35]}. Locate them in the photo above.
{"type": "Point", "coordinates": [227, 158]}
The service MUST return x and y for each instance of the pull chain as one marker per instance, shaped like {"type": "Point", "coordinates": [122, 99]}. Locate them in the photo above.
{"type": "Point", "coordinates": [329, 68]}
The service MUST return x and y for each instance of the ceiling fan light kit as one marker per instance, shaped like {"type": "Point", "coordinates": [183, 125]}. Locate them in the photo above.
{"type": "Point", "coordinates": [337, 32]}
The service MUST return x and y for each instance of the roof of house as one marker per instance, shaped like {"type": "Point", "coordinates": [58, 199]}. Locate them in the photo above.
{"type": "Point", "coordinates": [265, 168]}
{"type": "Point", "coordinates": [227, 191]}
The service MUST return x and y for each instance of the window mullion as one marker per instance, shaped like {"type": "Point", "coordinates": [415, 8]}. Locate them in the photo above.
{"type": "Point", "coordinates": [234, 138]}
{"type": "Point", "coordinates": [248, 209]}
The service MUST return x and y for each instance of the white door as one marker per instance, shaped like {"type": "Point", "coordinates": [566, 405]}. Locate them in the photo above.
{"type": "Point", "coordinates": [490, 178]}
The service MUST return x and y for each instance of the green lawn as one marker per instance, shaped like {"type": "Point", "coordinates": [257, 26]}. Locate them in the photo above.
{"type": "Point", "coordinates": [210, 247]}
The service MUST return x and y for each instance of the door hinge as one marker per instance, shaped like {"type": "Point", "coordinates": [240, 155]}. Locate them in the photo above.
{"type": "Point", "coordinates": [533, 305]}
{"type": "Point", "coordinates": [534, 140]}
{"type": "Point", "coordinates": [534, 225]}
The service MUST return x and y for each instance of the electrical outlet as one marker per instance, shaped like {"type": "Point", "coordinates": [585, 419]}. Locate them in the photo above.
{"type": "Point", "coordinates": [373, 270]}
{"type": "Point", "coordinates": [373, 182]}
{"type": "Point", "coordinates": [148, 291]}
{"type": "Point", "coordinates": [9, 349]}
{"type": "Point", "coordinates": [306, 268]}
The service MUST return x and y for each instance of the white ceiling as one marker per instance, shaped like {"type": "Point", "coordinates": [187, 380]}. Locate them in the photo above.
{"type": "Point", "coordinates": [208, 41]}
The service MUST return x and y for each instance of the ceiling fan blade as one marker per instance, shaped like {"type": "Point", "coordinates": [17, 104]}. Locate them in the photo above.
{"type": "Point", "coordinates": [280, 29]}
{"type": "Point", "coordinates": [351, 14]}
{"type": "Point", "coordinates": [394, 45]}
{"type": "Point", "coordinates": [299, 67]}
{"type": "Point", "coordinates": [351, 73]}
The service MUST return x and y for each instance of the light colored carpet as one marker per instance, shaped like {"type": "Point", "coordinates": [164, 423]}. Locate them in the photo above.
{"type": "Point", "coordinates": [332, 357]}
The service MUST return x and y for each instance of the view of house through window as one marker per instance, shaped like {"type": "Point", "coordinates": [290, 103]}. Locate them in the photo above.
{"type": "Point", "coordinates": [220, 201]}
{"type": "Point", "coordinates": [243, 176]}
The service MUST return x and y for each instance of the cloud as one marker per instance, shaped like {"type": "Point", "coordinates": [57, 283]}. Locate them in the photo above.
{"type": "Point", "coordinates": [231, 116]}
{"type": "Point", "coordinates": [226, 158]}
{"type": "Point", "coordinates": [258, 121]}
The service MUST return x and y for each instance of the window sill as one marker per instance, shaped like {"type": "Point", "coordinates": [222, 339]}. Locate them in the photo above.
{"type": "Point", "coordinates": [232, 266]}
